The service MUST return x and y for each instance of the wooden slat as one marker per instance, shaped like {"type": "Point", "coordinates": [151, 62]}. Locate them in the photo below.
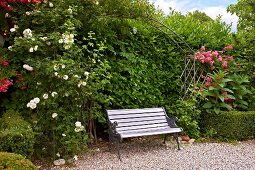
{"type": "Point", "coordinates": [142, 127]}
{"type": "Point", "coordinates": [157, 131]}
{"type": "Point", "coordinates": [139, 119]}
{"type": "Point", "coordinates": [130, 116]}
{"type": "Point", "coordinates": [131, 111]}
{"type": "Point", "coordinates": [124, 124]}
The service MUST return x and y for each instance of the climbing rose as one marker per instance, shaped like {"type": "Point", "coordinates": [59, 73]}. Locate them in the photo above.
{"type": "Point", "coordinates": [4, 63]}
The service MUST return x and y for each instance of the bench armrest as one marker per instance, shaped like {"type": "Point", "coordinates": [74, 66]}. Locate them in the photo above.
{"type": "Point", "coordinates": [113, 127]}
{"type": "Point", "coordinates": [172, 122]}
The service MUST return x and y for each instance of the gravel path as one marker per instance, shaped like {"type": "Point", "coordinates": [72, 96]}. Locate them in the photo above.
{"type": "Point", "coordinates": [150, 154]}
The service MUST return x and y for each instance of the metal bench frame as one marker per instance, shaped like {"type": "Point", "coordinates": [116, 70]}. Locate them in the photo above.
{"type": "Point", "coordinates": [115, 136]}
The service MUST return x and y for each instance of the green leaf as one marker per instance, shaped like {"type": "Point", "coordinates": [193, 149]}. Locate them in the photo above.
{"type": "Point", "coordinates": [212, 88]}
{"type": "Point", "coordinates": [227, 80]}
{"type": "Point", "coordinates": [221, 98]}
{"type": "Point", "coordinates": [224, 105]}
{"type": "Point", "coordinates": [228, 90]}
{"type": "Point", "coordinates": [230, 96]}
{"type": "Point", "coordinates": [207, 105]}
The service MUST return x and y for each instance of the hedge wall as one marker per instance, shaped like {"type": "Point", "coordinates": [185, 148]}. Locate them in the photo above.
{"type": "Point", "coordinates": [233, 125]}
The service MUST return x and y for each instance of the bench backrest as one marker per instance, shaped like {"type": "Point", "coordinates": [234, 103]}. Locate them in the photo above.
{"type": "Point", "coordinates": [135, 119]}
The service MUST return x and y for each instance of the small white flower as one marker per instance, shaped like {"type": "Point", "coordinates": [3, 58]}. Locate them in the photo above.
{"type": "Point", "coordinates": [45, 96]}
{"type": "Point", "coordinates": [56, 74]}
{"type": "Point", "coordinates": [51, 4]}
{"type": "Point", "coordinates": [48, 43]}
{"type": "Point", "coordinates": [70, 10]}
{"type": "Point", "coordinates": [66, 94]}
{"type": "Point", "coordinates": [78, 124]}
{"type": "Point", "coordinates": [75, 157]}
{"type": "Point", "coordinates": [27, 33]}
{"type": "Point", "coordinates": [94, 61]}
{"type": "Point", "coordinates": [28, 13]}
{"type": "Point", "coordinates": [86, 73]}
{"type": "Point", "coordinates": [53, 94]}
{"type": "Point", "coordinates": [76, 76]}
{"type": "Point", "coordinates": [65, 77]}
{"type": "Point", "coordinates": [77, 130]}
{"type": "Point", "coordinates": [32, 105]}
{"type": "Point", "coordinates": [63, 66]}
{"type": "Point", "coordinates": [29, 104]}
{"type": "Point", "coordinates": [39, 83]}
{"type": "Point", "coordinates": [35, 48]}
{"type": "Point", "coordinates": [64, 135]}
{"type": "Point", "coordinates": [27, 67]}
{"type": "Point", "coordinates": [6, 15]}
{"type": "Point", "coordinates": [44, 38]}
{"type": "Point", "coordinates": [84, 83]}
{"type": "Point", "coordinates": [10, 47]}
{"type": "Point", "coordinates": [12, 29]}
{"type": "Point", "coordinates": [54, 115]}
{"type": "Point", "coordinates": [97, 2]}
{"type": "Point", "coordinates": [55, 67]}
{"type": "Point", "coordinates": [36, 100]}
{"type": "Point", "coordinates": [31, 49]}
{"type": "Point", "coordinates": [134, 30]}
{"type": "Point", "coordinates": [58, 155]}
{"type": "Point", "coordinates": [60, 41]}
{"type": "Point", "coordinates": [16, 26]}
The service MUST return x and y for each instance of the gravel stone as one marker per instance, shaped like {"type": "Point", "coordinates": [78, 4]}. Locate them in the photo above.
{"type": "Point", "coordinates": [151, 154]}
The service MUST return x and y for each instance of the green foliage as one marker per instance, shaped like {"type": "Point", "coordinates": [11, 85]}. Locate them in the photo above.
{"type": "Point", "coordinates": [231, 125]}
{"type": "Point", "coordinates": [16, 135]}
{"type": "Point", "coordinates": [11, 161]}
{"type": "Point", "coordinates": [189, 115]}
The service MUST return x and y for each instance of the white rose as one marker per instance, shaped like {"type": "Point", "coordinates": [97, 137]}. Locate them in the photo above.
{"type": "Point", "coordinates": [86, 73]}
{"type": "Point", "coordinates": [54, 115]}
{"type": "Point", "coordinates": [77, 130]}
{"type": "Point", "coordinates": [45, 96]}
{"type": "Point", "coordinates": [54, 94]}
{"type": "Point", "coordinates": [33, 105]}
{"type": "Point", "coordinates": [36, 100]}
{"type": "Point", "coordinates": [12, 29]}
{"type": "Point", "coordinates": [60, 41]}
{"type": "Point", "coordinates": [36, 47]}
{"type": "Point", "coordinates": [27, 67]}
{"type": "Point", "coordinates": [56, 74]}
{"type": "Point", "coordinates": [65, 77]}
{"type": "Point", "coordinates": [84, 83]}
{"type": "Point", "coordinates": [51, 4]}
{"type": "Point", "coordinates": [78, 124]}
{"type": "Point", "coordinates": [31, 49]}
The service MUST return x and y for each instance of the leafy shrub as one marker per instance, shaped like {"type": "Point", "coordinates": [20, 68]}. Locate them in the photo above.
{"type": "Point", "coordinates": [188, 114]}
{"type": "Point", "coordinates": [11, 161]}
{"type": "Point", "coordinates": [233, 125]}
{"type": "Point", "coordinates": [16, 135]}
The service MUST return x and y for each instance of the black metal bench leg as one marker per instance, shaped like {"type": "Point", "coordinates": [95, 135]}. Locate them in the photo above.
{"type": "Point", "coordinates": [117, 147]}
{"type": "Point", "coordinates": [176, 138]}
{"type": "Point", "coordinates": [165, 136]}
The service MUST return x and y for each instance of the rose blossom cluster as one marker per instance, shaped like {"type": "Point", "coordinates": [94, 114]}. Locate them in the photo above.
{"type": "Point", "coordinates": [4, 85]}
{"type": "Point", "coordinates": [5, 3]}
{"type": "Point", "coordinates": [211, 57]}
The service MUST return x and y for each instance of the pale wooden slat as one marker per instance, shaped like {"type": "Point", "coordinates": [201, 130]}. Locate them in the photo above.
{"type": "Point", "coordinates": [130, 116]}
{"type": "Point", "coordinates": [146, 122]}
{"type": "Point", "coordinates": [130, 111]}
{"type": "Point", "coordinates": [157, 131]}
{"type": "Point", "coordinates": [142, 127]}
{"type": "Point", "coordinates": [140, 119]}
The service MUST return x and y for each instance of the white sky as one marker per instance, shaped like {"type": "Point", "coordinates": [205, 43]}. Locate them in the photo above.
{"type": "Point", "coordinates": [212, 8]}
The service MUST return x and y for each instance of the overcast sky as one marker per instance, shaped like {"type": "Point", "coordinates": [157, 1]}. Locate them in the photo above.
{"type": "Point", "coordinates": [212, 8]}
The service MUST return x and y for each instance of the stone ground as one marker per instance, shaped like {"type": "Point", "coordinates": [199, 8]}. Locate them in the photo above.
{"type": "Point", "coordinates": [151, 154]}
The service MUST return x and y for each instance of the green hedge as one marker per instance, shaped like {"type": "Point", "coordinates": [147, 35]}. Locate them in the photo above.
{"type": "Point", "coordinates": [232, 125]}
{"type": "Point", "coordinates": [16, 135]}
{"type": "Point", "coordinates": [11, 161]}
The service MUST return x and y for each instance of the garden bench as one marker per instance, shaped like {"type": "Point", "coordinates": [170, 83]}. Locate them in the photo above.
{"type": "Point", "coordinates": [126, 123]}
